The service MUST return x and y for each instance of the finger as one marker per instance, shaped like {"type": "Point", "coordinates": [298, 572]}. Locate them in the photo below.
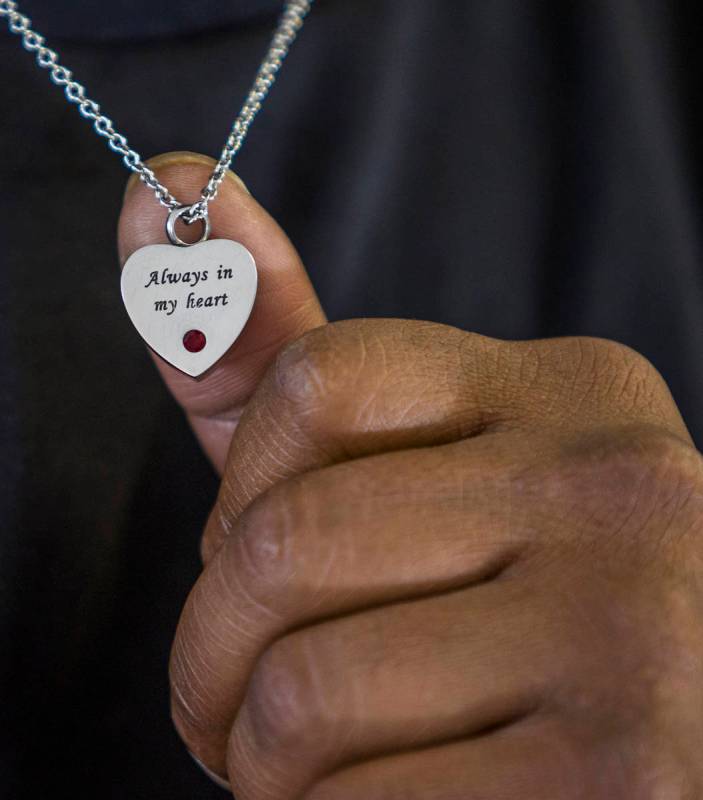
{"type": "Point", "coordinates": [365, 386]}
{"type": "Point", "coordinates": [397, 526]}
{"type": "Point", "coordinates": [532, 759]}
{"type": "Point", "coordinates": [286, 305]}
{"type": "Point", "coordinates": [335, 541]}
{"type": "Point", "coordinates": [401, 676]}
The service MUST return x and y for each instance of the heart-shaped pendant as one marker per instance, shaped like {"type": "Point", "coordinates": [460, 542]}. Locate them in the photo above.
{"type": "Point", "coordinates": [189, 304]}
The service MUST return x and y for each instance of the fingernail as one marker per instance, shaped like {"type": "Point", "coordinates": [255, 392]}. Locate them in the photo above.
{"type": "Point", "coordinates": [214, 777]}
{"type": "Point", "coordinates": [181, 157]}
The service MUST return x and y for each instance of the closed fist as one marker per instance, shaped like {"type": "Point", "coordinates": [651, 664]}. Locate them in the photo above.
{"type": "Point", "coordinates": [442, 567]}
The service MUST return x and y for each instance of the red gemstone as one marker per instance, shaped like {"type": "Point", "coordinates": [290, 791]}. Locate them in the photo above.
{"type": "Point", "coordinates": [194, 341]}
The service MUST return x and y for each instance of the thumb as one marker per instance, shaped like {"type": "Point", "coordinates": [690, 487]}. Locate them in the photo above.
{"type": "Point", "coordinates": [285, 307]}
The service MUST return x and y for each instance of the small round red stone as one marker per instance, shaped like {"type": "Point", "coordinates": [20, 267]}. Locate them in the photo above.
{"type": "Point", "coordinates": [194, 341]}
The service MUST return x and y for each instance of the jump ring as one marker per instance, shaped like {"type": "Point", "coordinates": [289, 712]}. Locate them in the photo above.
{"type": "Point", "coordinates": [173, 217]}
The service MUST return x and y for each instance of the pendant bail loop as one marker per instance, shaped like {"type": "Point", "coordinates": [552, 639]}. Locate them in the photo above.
{"type": "Point", "coordinates": [174, 216]}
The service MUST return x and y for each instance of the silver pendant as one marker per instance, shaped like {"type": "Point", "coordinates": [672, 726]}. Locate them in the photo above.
{"type": "Point", "coordinates": [189, 304]}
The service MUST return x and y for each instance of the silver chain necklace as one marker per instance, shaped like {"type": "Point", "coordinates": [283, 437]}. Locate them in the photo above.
{"type": "Point", "coordinates": [187, 328]}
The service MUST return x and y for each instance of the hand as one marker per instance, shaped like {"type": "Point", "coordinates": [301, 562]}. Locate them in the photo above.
{"type": "Point", "coordinates": [442, 566]}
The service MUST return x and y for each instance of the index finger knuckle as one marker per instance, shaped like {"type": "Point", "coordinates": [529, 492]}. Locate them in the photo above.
{"type": "Point", "coordinates": [308, 369]}
{"type": "Point", "coordinates": [614, 377]}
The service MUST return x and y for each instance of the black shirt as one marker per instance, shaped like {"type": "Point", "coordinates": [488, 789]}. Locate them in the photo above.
{"type": "Point", "coordinates": [518, 168]}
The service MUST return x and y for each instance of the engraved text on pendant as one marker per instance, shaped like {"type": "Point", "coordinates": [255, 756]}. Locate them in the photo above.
{"type": "Point", "coordinates": [189, 304]}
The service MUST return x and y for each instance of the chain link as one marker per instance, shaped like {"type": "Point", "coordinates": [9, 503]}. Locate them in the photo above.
{"type": "Point", "coordinates": [290, 22]}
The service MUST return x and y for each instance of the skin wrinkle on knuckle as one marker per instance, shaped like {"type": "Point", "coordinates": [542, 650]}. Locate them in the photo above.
{"type": "Point", "coordinates": [304, 372]}
{"type": "Point", "coordinates": [581, 378]}
{"type": "Point", "coordinates": [585, 380]}
{"type": "Point", "coordinates": [330, 384]}
{"type": "Point", "coordinates": [409, 386]}
{"type": "Point", "coordinates": [248, 607]}
{"type": "Point", "coordinates": [633, 379]}
{"type": "Point", "coordinates": [625, 381]}
{"type": "Point", "coordinates": [366, 414]}
{"type": "Point", "coordinates": [678, 474]}
{"type": "Point", "coordinates": [265, 546]}
{"type": "Point", "coordinates": [550, 375]}
{"type": "Point", "coordinates": [339, 359]}
{"type": "Point", "coordinates": [670, 476]}
{"type": "Point", "coordinates": [627, 492]}
{"type": "Point", "coordinates": [283, 550]}
{"type": "Point", "coordinates": [562, 378]}
{"type": "Point", "coordinates": [602, 483]}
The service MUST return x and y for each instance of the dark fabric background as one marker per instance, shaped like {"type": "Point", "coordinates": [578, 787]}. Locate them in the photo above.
{"type": "Point", "coordinates": [516, 167]}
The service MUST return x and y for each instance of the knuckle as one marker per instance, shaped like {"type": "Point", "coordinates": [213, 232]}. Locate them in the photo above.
{"type": "Point", "coordinates": [309, 386]}
{"type": "Point", "coordinates": [266, 530]}
{"type": "Point", "coordinates": [618, 375]}
{"type": "Point", "coordinates": [297, 546]}
{"type": "Point", "coordinates": [648, 462]}
{"type": "Point", "coordinates": [334, 359]}
{"type": "Point", "coordinates": [638, 377]}
{"type": "Point", "coordinates": [596, 377]}
{"type": "Point", "coordinates": [638, 480]}
{"type": "Point", "coordinates": [286, 701]}
{"type": "Point", "coordinates": [279, 566]}
{"type": "Point", "coordinates": [360, 374]}
{"type": "Point", "coordinates": [267, 550]}
{"type": "Point", "coordinates": [309, 369]}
